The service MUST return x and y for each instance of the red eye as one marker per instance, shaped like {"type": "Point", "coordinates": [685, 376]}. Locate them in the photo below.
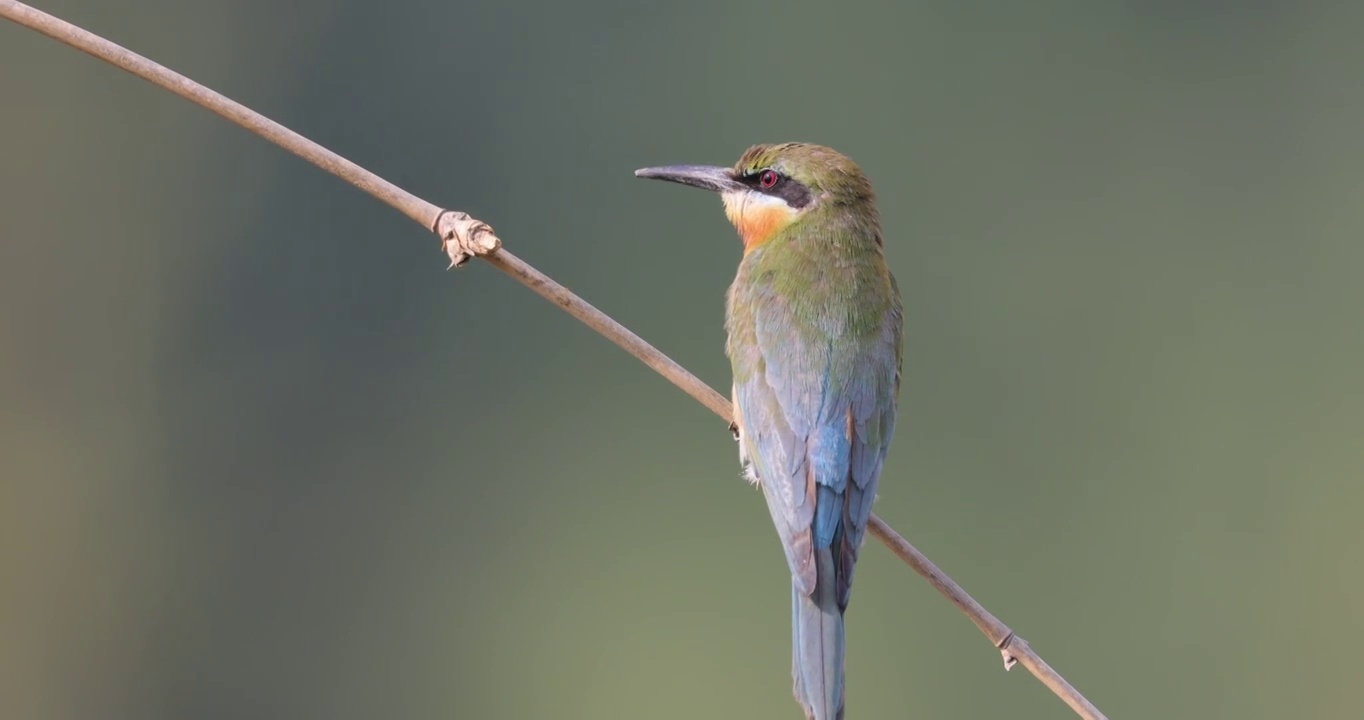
{"type": "Point", "coordinates": [768, 179]}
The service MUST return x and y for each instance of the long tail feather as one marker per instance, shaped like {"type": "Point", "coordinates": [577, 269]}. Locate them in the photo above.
{"type": "Point", "coordinates": [818, 644]}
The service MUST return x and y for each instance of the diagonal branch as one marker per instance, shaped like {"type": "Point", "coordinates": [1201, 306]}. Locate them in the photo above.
{"type": "Point", "coordinates": [463, 237]}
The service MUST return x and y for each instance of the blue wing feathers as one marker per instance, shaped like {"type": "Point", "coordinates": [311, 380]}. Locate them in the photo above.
{"type": "Point", "coordinates": [815, 388]}
{"type": "Point", "coordinates": [816, 420]}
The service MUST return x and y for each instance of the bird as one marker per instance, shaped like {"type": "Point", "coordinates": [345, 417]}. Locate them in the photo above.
{"type": "Point", "coordinates": [814, 326]}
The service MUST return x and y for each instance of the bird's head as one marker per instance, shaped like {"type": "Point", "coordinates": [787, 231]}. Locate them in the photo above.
{"type": "Point", "coordinates": [772, 187]}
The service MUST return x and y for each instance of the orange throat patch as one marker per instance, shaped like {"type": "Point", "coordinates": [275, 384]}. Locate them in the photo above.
{"type": "Point", "coordinates": [758, 217]}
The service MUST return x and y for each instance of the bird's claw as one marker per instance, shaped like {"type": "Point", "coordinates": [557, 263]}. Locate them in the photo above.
{"type": "Point", "coordinates": [734, 430]}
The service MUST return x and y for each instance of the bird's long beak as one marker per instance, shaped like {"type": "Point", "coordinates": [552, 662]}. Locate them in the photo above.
{"type": "Point", "coordinates": [706, 177]}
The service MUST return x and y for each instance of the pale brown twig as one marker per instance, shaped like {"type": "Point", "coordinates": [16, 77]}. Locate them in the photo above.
{"type": "Point", "coordinates": [463, 237]}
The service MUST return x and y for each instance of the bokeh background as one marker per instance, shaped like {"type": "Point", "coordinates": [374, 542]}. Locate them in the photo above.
{"type": "Point", "coordinates": [262, 456]}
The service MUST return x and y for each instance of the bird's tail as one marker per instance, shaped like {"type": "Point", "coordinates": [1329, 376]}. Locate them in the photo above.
{"type": "Point", "coordinates": [817, 643]}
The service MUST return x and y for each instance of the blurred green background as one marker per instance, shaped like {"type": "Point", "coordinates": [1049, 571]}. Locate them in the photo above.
{"type": "Point", "coordinates": [263, 457]}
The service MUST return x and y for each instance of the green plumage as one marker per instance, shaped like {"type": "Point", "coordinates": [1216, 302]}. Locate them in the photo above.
{"type": "Point", "coordinates": [814, 323]}
{"type": "Point", "coordinates": [814, 340]}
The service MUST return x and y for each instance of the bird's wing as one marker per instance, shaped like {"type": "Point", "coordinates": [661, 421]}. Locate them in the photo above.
{"type": "Point", "coordinates": [818, 410]}
{"type": "Point", "coordinates": [774, 442]}
{"type": "Point", "coordinates": [872, 419]}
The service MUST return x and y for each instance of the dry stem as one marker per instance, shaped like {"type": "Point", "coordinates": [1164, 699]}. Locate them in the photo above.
{"type": "Point", "coordinates": [463, 237]}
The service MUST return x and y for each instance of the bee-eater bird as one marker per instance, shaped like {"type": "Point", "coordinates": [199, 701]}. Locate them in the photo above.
{"type": "Point", "coordinates": [814, 325]}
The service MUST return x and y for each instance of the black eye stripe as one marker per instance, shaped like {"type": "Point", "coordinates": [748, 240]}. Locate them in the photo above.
{"type": "Point", "coordinates": [794, 193]}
